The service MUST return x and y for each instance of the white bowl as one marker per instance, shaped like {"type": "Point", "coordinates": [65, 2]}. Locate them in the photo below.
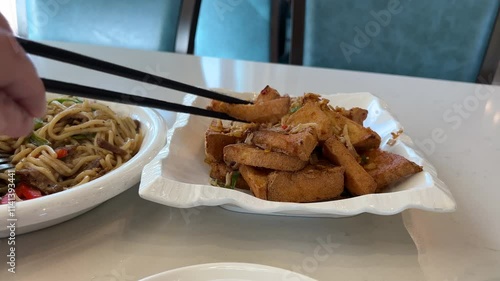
{"type": "Point", "coordinates": [49, 210]}
{"type": "Point", "coordinates": [178, 177]}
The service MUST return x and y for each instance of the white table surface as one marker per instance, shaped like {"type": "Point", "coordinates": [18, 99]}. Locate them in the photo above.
{"type": "Point", "coordinates": [128, 238]}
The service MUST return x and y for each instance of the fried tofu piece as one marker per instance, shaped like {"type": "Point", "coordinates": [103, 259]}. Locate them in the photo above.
{"type": "Point", "coordinates": [311, 113]}
{"type": "Point", "coordinates": [299, 144]}
{"type": "Point", "coordinates": [355, 114]}
{"type": "Point", "coordinates": [267, 94]}
{"type": "Point", "coordinates": [214, 145]}
{"type": "Point", "coordinates": [256, 179]}
{"type": "Point", "coordinates": [268, 111]}
{"type": "Point", "coordinates": [312, 184]}
{"type": "Point", "coordinates": [219, 135]}
{"type": "Point", "coordinates": [362, 138]}
{"type": "Point", "coordinates": [357, 180]}
{"type": "Point", "coordinates": [329, 122]}
{"type": "Point", "coordinates": [388, 168]}
{"type": "Point", "coordinates": [219, 171]}
{"type": "Point", "coordinates": [253, 156]}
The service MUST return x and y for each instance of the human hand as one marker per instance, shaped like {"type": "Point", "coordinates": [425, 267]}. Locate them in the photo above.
{"type": "Point", "coordinates": [22, 95]}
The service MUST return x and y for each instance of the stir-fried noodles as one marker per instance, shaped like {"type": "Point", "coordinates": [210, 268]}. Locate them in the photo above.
{"type": "Point", "coordinates": [76, 142]}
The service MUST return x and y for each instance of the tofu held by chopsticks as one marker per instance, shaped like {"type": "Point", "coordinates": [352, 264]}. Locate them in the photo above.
{"type": "Point", "coordinates": [299, 149]}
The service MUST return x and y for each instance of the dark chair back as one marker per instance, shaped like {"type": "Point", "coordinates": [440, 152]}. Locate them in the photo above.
{"type": "Point", "coordinates": [427, 38]}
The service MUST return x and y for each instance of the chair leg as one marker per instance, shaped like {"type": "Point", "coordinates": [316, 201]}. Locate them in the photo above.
{"type": "Point", "coordinates": [492, 56]}
{"type": "Point", "coordinates": [277, 30]}
{"type": "Point", "coordinates": [186, 29]}
{"type": "Point", "coordinates": [298, 24]}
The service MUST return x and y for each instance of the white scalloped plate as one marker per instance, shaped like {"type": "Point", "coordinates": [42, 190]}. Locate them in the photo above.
{"type": "Point", "coordinates": [228, 272]}
{"type": "Point", "coordinates": [52, 209]}
{"type": "Point", "coordinates": [178, 176]}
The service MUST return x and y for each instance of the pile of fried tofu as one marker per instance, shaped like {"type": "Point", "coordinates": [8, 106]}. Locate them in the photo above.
{"type": "Point", "coordinates": [299, 150]}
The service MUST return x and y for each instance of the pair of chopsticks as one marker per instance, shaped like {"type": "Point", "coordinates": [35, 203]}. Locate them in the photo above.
{"type": "Point", "coordinates": [73, 58]}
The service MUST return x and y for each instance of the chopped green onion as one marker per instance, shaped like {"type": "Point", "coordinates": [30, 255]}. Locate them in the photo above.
{"type": "Point", "coordinates": [37, 140]}
{"type": "Point", "coordinates": [83, 137]}
{"type": "Point", "coordinates": [38, 123]}
{"type": "Point", "coordinates": [294, 109]}
{"type": "Point", "coordinates": [234, 178]}
{"type": "Point", "coordinates": [63, 100]}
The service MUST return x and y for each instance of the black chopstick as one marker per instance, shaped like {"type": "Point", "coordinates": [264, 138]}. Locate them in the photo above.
{"type": "Point", "coordinates": [100, 94]}
{"type": "Point", "coordinates": [66, 56]}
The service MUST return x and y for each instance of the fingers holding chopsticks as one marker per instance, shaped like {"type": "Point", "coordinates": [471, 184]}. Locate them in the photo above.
{"type": "Point", "coordinates": [22, 95]}
{"type": "Point", "coordinates": [14, 121]}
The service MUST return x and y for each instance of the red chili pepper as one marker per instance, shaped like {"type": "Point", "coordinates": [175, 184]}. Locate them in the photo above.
{"type": "Point", "coordinates": [26, 192]}
{"type": "Point", "coordinates": [61, 152]}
